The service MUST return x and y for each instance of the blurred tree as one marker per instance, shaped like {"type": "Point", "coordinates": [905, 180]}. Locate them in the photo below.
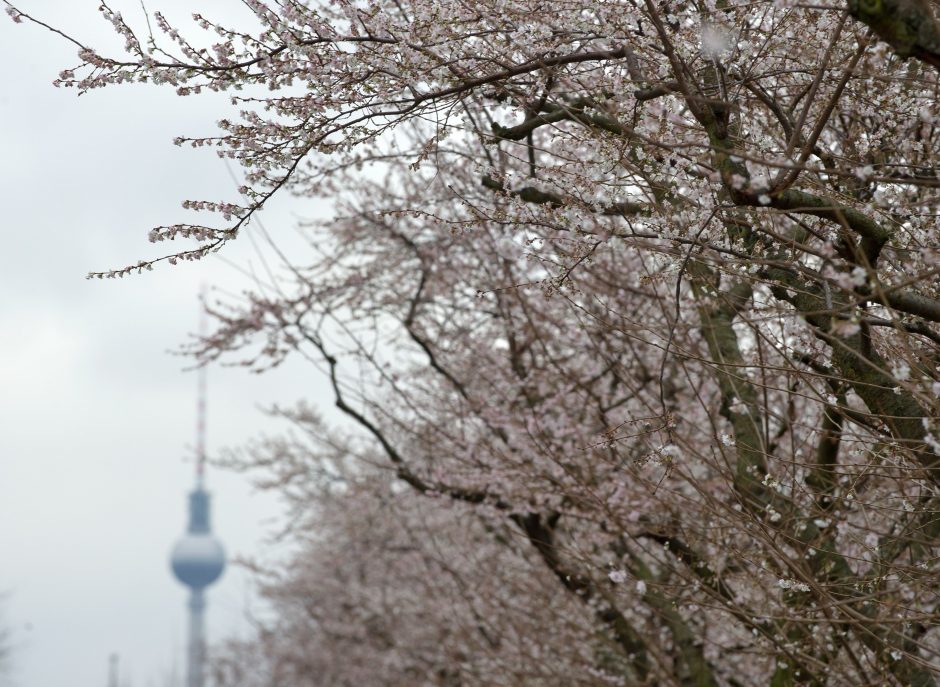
{"type": "Point", "coordinates": [6, 648]}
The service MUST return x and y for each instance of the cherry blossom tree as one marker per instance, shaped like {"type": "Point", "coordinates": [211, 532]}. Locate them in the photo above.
{"type": "Point", "coordinates": [633, 309]}
{"type": "Point", "coordinates": [392, 587]}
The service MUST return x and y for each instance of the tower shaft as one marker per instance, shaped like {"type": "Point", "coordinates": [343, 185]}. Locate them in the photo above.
{"type": "Point", "coordinates": [113, 671]}
{"type": "Point", "coordinates": [196, 649]}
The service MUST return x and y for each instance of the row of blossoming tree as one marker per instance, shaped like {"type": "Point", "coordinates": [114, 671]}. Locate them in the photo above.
{"type": "Point", "coordinates": [633, 307]}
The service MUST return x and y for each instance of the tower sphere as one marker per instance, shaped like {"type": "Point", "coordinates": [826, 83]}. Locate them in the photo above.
{"type": "Point", "coordinates": [198, 560]}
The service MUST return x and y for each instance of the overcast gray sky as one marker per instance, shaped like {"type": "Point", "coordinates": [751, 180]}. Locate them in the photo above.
{"type": "Point", "coordinates": [96, 418]}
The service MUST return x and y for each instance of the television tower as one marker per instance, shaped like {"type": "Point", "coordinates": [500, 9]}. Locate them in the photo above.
{"type": "Point", "coordinates": [198, 557]}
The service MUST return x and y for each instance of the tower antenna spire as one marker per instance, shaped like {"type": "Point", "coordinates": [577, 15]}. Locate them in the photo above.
{"type": "Point", "coordinates": [201, 397]}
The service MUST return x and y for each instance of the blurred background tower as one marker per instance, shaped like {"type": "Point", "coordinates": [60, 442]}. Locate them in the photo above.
{"type": "Point", "coordinates": [198, 557]}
